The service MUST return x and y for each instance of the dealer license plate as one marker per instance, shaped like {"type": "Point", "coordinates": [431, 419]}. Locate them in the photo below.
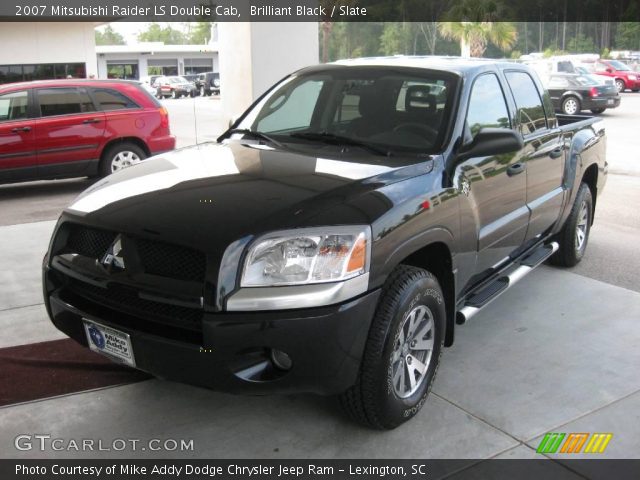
{"type": "Point", "coordinates": [109, 342]}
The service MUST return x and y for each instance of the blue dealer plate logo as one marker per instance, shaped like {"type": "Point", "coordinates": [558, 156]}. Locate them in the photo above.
{"type": "Point", "coordinates": [96, 337]}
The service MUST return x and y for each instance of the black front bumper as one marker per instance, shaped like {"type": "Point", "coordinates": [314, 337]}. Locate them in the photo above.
{"type": "Point", "coordinates": [325, 345]}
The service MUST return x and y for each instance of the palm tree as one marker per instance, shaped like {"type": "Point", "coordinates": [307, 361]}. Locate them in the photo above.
{"type": "Point", "coordinates": [474, 36]}
{"type": "Point", "coordinates": [478, 26]}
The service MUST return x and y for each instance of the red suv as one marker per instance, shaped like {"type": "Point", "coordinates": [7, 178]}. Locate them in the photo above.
{"type": "Point", "coordinates": [624, 77]}
{"type": "Point", "coordinates": [74, 128]}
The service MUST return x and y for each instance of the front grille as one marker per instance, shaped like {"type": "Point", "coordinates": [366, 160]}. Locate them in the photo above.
{"type": "Point", "coordinates": [156, 258]}
{"type": "Point", "coordinates": [171, 260]}
{"type": "Point", "coordinates": [89, 242]}
{"type": "Point", "coordinates": [125, 299]}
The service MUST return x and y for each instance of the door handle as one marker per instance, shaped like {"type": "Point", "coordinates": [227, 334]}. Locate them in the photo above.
{"type": "Point", "coordinates": [21, 129]}
{"type": "Point", "coordinates": [91, 120]}
{"type": "Point", "coordinates": [556, 153]}
{"type": "Point", "coordinates": [516, 169]}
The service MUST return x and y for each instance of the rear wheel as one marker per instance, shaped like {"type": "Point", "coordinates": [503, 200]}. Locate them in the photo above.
{"type": "Point", "coordinates": [571, 106]}
{"type": "Point", "coordinates": [574, 235]}
{"type": "Point", "coordinates": [402, 352]}
{"type": "Point", "coordinates": [598, 110]}
{"type": "Point", "coordinates": [119, 156]}
{"type": "Point", "coordinates": [620, 85]}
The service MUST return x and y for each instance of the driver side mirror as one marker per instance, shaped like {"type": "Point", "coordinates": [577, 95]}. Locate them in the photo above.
{"type": "Point", "coordinates": [609, 70]}
{"type": "Point", "coordinates": [491, 141]}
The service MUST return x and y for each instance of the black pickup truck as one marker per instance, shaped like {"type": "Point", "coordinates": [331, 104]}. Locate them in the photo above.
{"type": "Point", "coordinates": [332, 239]}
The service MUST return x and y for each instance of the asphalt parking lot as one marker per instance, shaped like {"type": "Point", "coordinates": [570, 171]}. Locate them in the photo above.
{"type": "Point", "coordinates": [558, 352]}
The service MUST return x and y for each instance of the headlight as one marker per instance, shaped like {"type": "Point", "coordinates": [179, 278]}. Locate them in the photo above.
{"type": "Point", "coordinates": [308, 255]}
{"type": "Point", "coordinates": [632, 77]}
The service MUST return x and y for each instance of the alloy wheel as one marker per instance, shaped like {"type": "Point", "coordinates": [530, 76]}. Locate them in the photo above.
{"type": "Point", "coordinates": [570, 106]}
{"type": "Point", "coordinates": [413, 351]}
{"type": "Point", "coordinates": [124, 159]}
{"type": "Point", "coordinates": [582, 227]}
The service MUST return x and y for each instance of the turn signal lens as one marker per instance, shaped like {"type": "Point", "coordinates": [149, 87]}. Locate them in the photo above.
{"type": "Point", "coordinates": [358, 259]}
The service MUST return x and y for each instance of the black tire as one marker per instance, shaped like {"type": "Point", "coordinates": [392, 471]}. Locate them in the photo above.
{"type": "Point", "coordinates": [373, 400]}
{"type": "Point", "coordinates": [620, 85]}
{"type": "Point", "coordinates": [159, 95]}
{"type": "Point", "coordinates": [571, 105]}
{"type": "Point", "coordinates": [110, 154]}
{"type": "Point", "coordinates": [174, 94]}
{"type": "Point", "coordinates": [597, 111]}
{"type": "Point", "coordinates": [571, 250]}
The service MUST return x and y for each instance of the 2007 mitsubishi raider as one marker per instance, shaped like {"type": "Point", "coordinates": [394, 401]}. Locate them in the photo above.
{"type": "Point", "coordinates": [333, 237]}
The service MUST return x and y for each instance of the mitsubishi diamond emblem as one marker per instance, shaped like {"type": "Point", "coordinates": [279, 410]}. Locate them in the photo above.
{"type": "Point", "coordinates": [113, 258]}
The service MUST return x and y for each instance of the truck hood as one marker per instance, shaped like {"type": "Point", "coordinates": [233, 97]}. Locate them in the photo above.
{"type": "Point", "coordinates": [209, 195]}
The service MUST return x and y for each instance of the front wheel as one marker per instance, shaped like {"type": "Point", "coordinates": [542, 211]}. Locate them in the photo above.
{"type": "Point", "coordinates": [574, 236]}
{"type": "Point", "coordinates": [571, 106]}
{"type": "Point", "coordinates": [402, 351]}
{"type": "Point", "coordinates": [174, 94]}
{"type": "Point", "coordinates": [620, 85]}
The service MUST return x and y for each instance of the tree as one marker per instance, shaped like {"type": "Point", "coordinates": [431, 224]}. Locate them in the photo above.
{"type": "Point", "coordinates": [474, 36]}
{"type": "Point", "coordinates": [479, 26]}
{"type": "Point", "coordinates": [200, 33]}
{"type": "Point", "coordinates": [168, 35]}
{"type": "Point", "coordinates": [109, 37]}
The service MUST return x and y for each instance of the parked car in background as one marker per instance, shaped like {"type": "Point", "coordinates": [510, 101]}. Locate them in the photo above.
{"type": "Point", "coordinates": [150, 80]}
{"type": "Point", "coordinates": [174, 87]}
{"type": "Point", "coordinates": [571, 93]}
{"type": "Point", "coordinates": [624, 77]}
{"type": "Point", "coordinates": [75, 128]}
{"type": "Point", "coordinates": [597, 78]}
{"type": "Point", "coordinates": [208, 83]}
{"type": "Point", "coordinates": [193, 77]}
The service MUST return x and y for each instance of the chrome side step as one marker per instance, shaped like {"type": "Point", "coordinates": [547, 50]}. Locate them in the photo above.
{"type": "Point", "coordinates": [490, 292]}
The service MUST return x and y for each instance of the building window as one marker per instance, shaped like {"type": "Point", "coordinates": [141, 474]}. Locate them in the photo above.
{"type": "Point", "coordinates": [123, 71]}
{"type": "Point", "coordinates": [42, 71]}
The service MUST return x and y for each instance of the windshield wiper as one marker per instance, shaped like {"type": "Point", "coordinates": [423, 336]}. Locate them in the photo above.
{"type": "Point", "coordinates": [334, 139]}
{"type": "Point", "coordinates": [253, 134]}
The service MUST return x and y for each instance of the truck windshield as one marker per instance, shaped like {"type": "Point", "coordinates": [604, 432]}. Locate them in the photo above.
{"type": "Point", "coordinates": [386, 109]}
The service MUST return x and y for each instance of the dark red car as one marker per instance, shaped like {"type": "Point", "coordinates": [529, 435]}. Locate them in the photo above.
{"type": "Point", "coordinates": [74, 128]}
{"type": "Point", "coordinates": [623, 76]}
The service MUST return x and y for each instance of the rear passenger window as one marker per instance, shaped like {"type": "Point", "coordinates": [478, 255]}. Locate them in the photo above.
{"type": "Point", "coordinates": [63, 101]}
{"type": "Point", "coordinates": [530, 111]}
{"type": "Point", "coordinates": [109, 99]}
{"type": "Point", "coordinates": [487, 107]}
{"type": "Point", "coordinates": [13, 106]}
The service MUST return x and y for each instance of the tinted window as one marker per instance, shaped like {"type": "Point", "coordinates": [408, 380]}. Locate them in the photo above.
{"type": "Point", "coordinates": [13, 106]}
{"type": "Point", "coordinates": [109, 99]}
{"type": "Point", "coordinates": [530, 111]}
{"type": "Point", "coordinates": [63, 101]}
{"type": "Point", "coordinates": [487, 107]}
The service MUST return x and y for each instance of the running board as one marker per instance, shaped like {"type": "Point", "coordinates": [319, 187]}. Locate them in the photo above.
{"type": "Point", "coordinates": [524, 266]}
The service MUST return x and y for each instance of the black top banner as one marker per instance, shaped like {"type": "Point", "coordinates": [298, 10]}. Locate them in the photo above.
{"type": "Point", "coordinates": [320, 10]}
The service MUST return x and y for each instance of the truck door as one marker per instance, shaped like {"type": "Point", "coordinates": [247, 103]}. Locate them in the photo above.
{"type": "Point", "coordinates": [542, 156]}
{"type": "Point", "coordinates": [496, 184]}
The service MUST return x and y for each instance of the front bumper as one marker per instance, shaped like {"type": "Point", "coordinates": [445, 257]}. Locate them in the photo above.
{"type": "Point", "coordinates": [325, 345]}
